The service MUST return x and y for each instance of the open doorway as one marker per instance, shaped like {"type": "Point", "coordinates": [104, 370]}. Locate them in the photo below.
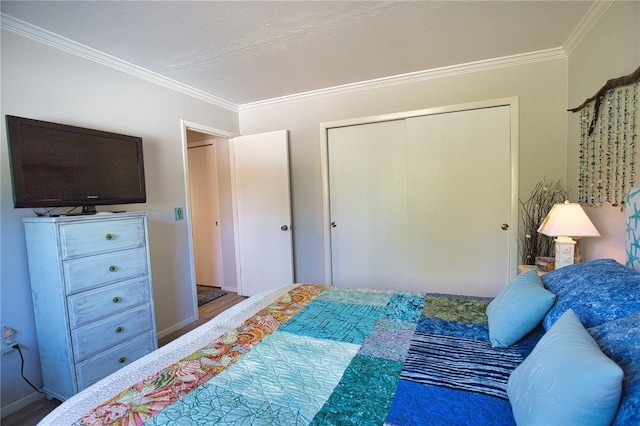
{"type": "Point", "coordinates": [205, 209]}
{"type": "Point", "coordinates": [255, 209]}
{"type": "Point", "coordinates": [209, 208]}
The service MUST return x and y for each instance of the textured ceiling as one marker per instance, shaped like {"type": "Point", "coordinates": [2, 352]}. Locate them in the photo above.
{"type": "Point", "coordinates": [247, 51]}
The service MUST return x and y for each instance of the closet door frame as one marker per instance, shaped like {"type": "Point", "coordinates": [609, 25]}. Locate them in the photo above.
{"type": "Point", "coordinates": [511, 102]}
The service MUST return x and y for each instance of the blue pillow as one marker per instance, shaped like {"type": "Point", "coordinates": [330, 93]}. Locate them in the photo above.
{"type": "Point", "coordinates": [620, 340]}
{"type": "Point", "coordinates": [518, 309]}
{"type": "Point", "coordinates": [597, 291]}
{"type": "Point", "coordinates": [566, 380]}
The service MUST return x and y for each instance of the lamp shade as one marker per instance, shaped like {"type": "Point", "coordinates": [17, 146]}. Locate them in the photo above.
{"type": "Point", "coordinates": [568, 219]}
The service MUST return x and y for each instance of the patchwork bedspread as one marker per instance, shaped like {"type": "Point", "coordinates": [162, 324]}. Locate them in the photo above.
{"type": "Point", "coordinates": [322, 355]}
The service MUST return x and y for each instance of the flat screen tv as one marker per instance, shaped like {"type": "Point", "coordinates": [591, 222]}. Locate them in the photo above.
{"type": "Point", "coordinates": [57, 165]}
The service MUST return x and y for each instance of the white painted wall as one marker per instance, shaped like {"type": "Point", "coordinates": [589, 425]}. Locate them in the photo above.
{"type": "Point", "coordinates": [45, 83]}
{"type": "Point", "coordinates": [541, 88]}
{"type": "Point", "coordinates": [611, 49]}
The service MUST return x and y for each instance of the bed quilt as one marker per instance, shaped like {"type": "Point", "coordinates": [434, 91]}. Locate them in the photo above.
{"type": "Point", "coordinates": [321, 355]}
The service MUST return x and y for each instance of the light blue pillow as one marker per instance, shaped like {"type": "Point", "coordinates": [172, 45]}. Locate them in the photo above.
{"type": "Point", "coordinates": [566, 380]}
{"type": "Point", "coordinates": [518, 309]}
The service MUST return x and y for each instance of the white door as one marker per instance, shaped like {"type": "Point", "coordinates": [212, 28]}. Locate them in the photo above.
{"type": "Point", "coordinates": [205, 214]}
{"type": "Point", "coordinates": [418, 204]}
{"type": "Point", "coordinates": [459, 196]}
{"type": "Point", "coordinates": [368, 187]}
{"type": "Point", "coordinates": [262, 204]}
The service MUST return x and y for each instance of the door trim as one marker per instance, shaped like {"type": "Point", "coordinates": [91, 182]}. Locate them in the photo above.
{"type": "Point", "coordinates": [511, 102]}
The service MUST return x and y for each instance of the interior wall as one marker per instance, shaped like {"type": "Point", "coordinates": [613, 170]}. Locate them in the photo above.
{"type": "Point", "coordinates": [41, 82]}
{"type": "Point", "coordinates": [541, 88]}
{"type": "Point", "coordinates": [611, 49]}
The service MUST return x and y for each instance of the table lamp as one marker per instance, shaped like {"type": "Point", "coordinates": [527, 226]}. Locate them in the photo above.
{"type": "Point", "coordinates": [563, 222]}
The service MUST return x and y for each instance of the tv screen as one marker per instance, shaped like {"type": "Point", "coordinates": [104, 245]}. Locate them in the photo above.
{"type": "Point", "coordinates": [57, 165]}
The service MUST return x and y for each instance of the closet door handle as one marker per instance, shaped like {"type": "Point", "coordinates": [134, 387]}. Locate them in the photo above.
{"type": "Point", "coordinates": [284, 228]}
{"type": "Point", "coordinates": [333, 224]}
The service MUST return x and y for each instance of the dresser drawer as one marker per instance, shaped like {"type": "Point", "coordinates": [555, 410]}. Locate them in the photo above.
{"type": "Point", "coordinates": [90, 272]}
{"type": "Point", "coordinates": [95, 368]}
{"type": "Point", "coordinates": [87, 238]}
{"type": "Point", "coordinates": [93, 305]}
{"type": "Point", "coordinates": [93, 338]}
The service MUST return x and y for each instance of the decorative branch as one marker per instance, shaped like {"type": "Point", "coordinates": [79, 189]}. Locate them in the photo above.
{"type": "Point", "coordinates": [634, 77]}
{"type": "Point", "coordinates": [532, 213]}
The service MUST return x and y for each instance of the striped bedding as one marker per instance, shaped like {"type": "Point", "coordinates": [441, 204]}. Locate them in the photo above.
{"type": "Point", "coordinates": [320, 355]}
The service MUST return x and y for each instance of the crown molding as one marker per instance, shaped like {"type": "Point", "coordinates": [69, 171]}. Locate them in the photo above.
{"type": "Point", "coordinates": [38, 34]}
{"type": "Point", "coordinates": [33, 32]}
{"type": "Point", "coordinates": [470, 67]}
{"type": "Point", "coordinates": [595, 12]}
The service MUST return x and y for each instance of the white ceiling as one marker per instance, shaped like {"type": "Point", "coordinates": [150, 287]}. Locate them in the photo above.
{"type": "Point", "coordinates": [248, 51]}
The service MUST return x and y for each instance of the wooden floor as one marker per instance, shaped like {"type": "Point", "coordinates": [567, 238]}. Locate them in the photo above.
{"type": "Point", "coordinates": [33, 413]}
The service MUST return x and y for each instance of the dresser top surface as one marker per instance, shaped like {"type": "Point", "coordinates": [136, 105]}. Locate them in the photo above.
{"type": "Point", "coordinates": [84, 218]}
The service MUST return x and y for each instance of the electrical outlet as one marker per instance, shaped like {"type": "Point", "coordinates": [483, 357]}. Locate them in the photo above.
{"type": "Point", "coordinates": [7, 348]}
{"type": "Point", "coordinates": [8, 339]}
{"type": "Point", "coordinates": [179, 213]}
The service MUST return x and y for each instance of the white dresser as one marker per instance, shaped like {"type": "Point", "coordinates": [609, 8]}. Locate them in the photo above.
{"type": "Point", "coordinates": [92, 296]}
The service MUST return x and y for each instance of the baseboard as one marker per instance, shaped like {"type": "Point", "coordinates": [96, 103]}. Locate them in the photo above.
{"type": "Point", "coordinates": [20, 404]}
{"type": "Point", "coordinates": [176, 327]}
{"type": "Point", "coordinates": [189, 320]}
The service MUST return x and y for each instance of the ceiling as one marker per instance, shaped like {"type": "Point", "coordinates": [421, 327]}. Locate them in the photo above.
{"type": "Point", "coordinates": [250, 51]}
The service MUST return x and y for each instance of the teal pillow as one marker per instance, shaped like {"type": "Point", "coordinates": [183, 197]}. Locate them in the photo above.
{"type": "Point", "coordinates": [566, 380]}
{"type": "Point", "coordinates": [518, 309]}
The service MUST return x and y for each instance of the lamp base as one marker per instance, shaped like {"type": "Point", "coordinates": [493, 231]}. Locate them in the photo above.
{"type": "Point", "coordinates": [565, 247]}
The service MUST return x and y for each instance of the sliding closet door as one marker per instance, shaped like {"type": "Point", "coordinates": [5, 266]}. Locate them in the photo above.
{"type": "Point", "coordinates": [459, 192]}
{"type": "Point", "coordinates": [420, 203]}
{"type": "Point", "coordinates": [368, 193]}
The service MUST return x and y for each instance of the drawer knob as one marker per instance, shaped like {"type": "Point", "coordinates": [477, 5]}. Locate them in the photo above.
{"type": "Point", "coordinates": [117, 299]}
{"type": "Point", "coordinates": [110, 237]}
{"type": "Point", "coordinates": [119, 329]}
{"type": "Point", "coordinates": [122, 360]}
{"type": "Point", "coordinates": [113, 268]}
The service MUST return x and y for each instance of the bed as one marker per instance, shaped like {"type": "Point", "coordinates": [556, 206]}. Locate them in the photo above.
{"type": "Point", "coordinates": [563, 348]}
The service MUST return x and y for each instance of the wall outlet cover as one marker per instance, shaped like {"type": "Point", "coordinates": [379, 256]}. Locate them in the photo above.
{"type": "Point", "coordinates": [7, 348]}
